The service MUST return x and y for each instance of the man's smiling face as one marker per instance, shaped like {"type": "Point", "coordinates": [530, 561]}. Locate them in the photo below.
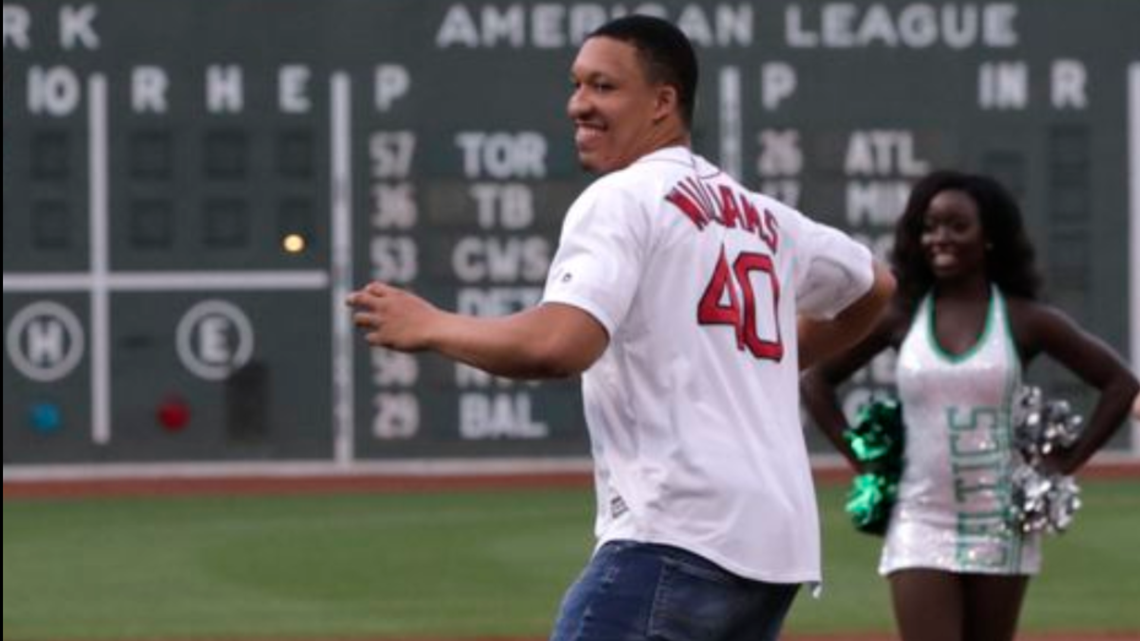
{"type": "Point", "coordinates": [614, 107]}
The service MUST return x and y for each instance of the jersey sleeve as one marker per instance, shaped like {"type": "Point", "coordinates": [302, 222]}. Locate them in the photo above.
{"type": "Point", "coordinates": [599, 260]}
{"type": "Point", "coordinates": [833, 270]}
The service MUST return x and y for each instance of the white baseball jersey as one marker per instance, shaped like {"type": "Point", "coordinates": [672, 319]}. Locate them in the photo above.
{"type": "Point", "coordinates": [693, 409]}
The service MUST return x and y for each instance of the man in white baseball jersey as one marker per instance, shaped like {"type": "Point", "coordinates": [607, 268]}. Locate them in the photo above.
{"type": "Point", "coordinates": [676, 293]}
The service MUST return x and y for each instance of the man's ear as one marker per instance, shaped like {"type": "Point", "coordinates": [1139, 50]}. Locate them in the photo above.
{"type": "Point", "coordinates": [668, 102]}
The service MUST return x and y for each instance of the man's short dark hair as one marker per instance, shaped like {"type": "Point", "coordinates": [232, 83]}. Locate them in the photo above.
{"type": "Point", "coordinates": [666, 52]}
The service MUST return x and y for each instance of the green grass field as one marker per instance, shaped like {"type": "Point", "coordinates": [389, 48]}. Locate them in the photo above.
{"type": "Point", "coordinates": [455, 564]}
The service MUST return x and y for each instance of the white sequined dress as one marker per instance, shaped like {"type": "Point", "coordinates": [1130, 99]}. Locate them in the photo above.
{"type": "Point", "coordinates": [954, 496]}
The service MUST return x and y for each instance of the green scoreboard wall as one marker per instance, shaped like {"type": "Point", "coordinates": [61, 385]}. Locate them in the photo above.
{"type": "Point", "coordinates": [191, 187]}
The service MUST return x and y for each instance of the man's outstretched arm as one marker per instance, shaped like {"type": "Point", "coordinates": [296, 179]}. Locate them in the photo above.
{"type": "Point", "coordinates": [548, 341]}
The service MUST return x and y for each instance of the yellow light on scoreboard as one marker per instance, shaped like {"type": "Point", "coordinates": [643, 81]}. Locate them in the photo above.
{"type": "Point", "coordinates": [293, 243]}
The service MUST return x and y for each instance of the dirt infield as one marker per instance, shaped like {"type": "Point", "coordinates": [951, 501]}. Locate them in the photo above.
{"type": "Point", "coordinates": [1021, 637]}
{"type": "Point", "coordinates": [363, 483]}
{"type": "Point", "coordinates": [1056, 636]}
{"type": "Point", "coordinates": [1050, 637]}
{"type": "Point", "coordinates": [377, 483]}
{"type": "Point", "coordinates": [1061, 636]}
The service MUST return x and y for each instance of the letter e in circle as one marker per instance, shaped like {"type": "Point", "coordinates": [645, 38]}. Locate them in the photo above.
{"type": "Point", "coordinates": [214, 339]}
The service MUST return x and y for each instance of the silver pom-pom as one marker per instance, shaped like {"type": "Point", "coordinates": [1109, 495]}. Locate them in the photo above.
{"type": "Point", "coordinates": [1042, 502]}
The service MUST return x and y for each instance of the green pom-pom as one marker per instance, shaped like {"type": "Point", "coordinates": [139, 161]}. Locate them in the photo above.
{"type": "Point", "coordinates": [876, 439]}
{"type": "Point", "coordinates": [869, 502]}
{"type": "Point", "coordinates": [877, 436]}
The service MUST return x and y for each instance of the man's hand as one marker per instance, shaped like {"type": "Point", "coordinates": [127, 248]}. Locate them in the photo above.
{"type": "Point", "coordinates": [392, 317]}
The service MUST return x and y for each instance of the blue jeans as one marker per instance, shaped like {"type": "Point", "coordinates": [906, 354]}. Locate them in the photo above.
{"type": "Point", "coordinates": [644, 592]}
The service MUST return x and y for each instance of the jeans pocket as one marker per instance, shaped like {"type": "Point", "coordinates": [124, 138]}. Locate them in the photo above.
{"type": "Point", "coordinates": [695, 602]}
